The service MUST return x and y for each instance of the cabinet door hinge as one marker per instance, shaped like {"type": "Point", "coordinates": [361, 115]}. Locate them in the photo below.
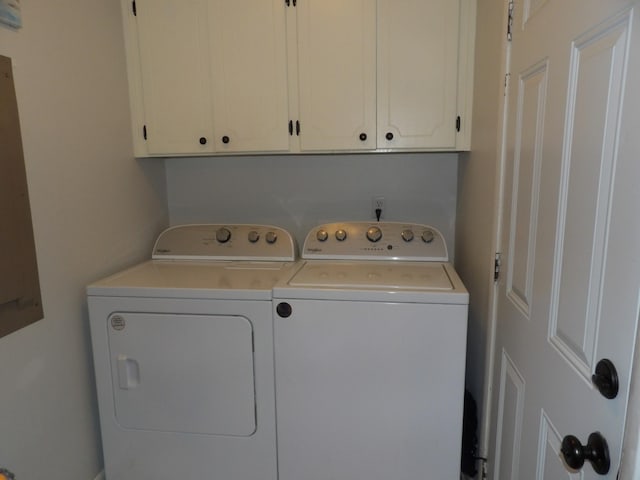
{"type": "Point", "coordinates": [510, 21]}
{"type": "Point", "coordinates": [134, 8]}
{"type": "Point", "coordinates": [496, 266]}
{"type": "Point", "coordinates": [144, 132]}
{"type": "Point", "coordinates": [458, 123]}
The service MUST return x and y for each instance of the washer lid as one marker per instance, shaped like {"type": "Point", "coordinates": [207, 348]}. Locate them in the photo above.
{"type": "Point", "coordinates": [374, 281]}
{"type": "Point", "coordinates": [374, 275]}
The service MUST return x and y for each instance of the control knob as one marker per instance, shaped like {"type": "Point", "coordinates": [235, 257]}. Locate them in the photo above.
{"type": "Point", "coordinates": [271, 237]}
{"type": "Point", "coordinates": [428, 236]}
{"type": "Point", "coordinates": [223, 235]}
{"type": "Point", "coordinates": [374, 234]}
{"type": "Point", "coordinates": [322, 235]}
{"type": "Point", "coordinates": [407, 235]}
{"type": "Point", "coordinates": [341, 235]}
{"type": "Point", "coordinates": [253, 236]}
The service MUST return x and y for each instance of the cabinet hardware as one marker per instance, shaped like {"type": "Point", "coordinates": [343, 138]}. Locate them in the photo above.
{"type": "Point", "coordinates": [363, 137]}
{"type": "Point", "coordinates": [297, 128]}
{"type": "Point", "coordinates": [144, 132]}
{"type": "Point", "coordinates": [389, 136]}
{"type": "Point", "coordinates": [225, 139]}
{"type": "Point", "coordinates": [203, 141]}
{"type": "Point", "coordinates": [134, 8]}
{"type": "Point", "coordinates": [458, 121]}
{"type": "Point", "coordinates": [290, 127]}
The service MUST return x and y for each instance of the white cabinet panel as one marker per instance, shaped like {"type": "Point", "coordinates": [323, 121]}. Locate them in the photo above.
{"type": "Point", "coordinates": [337, 70]}
{"type": "Point", "coordinates": [249, 75]}
{"type": "Point", "coordinates": [174, 70]}
{"type": "Point", "coordinates": [417, 73]}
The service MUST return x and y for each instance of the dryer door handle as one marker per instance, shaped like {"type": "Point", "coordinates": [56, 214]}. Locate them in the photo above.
{"type": "Point", "coordinates": [128, 372]}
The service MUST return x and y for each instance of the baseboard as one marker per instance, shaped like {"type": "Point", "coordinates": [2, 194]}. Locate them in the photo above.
{"type": "Point", "coordinates": [100, 476]}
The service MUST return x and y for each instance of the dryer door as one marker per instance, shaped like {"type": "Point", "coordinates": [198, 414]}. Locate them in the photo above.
{"type": "Point", "coordinates": [183, 373]}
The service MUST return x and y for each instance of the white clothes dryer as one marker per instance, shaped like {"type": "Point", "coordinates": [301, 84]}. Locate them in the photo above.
{"type": "Point", "coordinates": [183, 354]}
{"type": "Point", "coordinates": [370, 346]}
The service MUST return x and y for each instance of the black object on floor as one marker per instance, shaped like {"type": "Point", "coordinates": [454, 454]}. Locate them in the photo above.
{"type": "Point", "coordinates": [469, 436]}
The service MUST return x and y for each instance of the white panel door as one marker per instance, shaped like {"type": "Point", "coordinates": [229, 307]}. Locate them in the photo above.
{"type": "Point", "coordinates": [337, 74]}
{"type": "Point", "coordinates": [569, 292]}
{"type": "Point", "coordinates": [249, 74]}
{"type": "Point", "coordinates": [174, 67]}
{"type": "Point", "coordinates": [417, 79]}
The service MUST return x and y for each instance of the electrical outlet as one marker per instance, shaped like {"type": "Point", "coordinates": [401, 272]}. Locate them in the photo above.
{"type": "Point", "coordinates": [378, 206]}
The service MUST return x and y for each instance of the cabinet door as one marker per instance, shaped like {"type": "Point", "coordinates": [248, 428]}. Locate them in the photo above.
{"type": "Point", "coordinates": [337, 74]}
{"type": "Point", "coordinates": [249, 75]}
{"type": "Point", "coordinates": [417, 79]}
{"type": "Point", "coordinates": [174, 69]}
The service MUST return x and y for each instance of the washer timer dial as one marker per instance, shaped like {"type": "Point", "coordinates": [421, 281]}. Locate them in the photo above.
{"type": "Point", "coordinates": [374, 234]}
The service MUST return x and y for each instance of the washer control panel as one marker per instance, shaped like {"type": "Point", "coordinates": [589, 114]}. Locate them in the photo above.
{"type": "Point", "coordinates": [375, 241]}
{"type": "Point", "coordinates": [225, 242]}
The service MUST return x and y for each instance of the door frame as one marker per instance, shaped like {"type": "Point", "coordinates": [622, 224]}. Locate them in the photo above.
{"type": "Point", "coordinates": [630, 461]}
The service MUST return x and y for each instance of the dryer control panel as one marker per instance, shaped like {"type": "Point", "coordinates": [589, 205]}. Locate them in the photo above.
{"type": "Point", "coordinates": [225, 242]}
{"type": "Point", "coordinates": [375, 241]}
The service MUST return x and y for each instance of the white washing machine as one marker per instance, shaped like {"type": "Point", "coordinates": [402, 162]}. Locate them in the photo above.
{"type": "Point", "coordinates": [183, 353]}
{"type": "Point", "coordinates": [370, 345]}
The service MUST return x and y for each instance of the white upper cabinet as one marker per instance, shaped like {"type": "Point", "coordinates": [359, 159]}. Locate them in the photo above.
{"type": "Point", "coordinates": [417, 73]}
{"type": "Point", "coordinates": [207, 76]}
{"type": "Point", "coordinates": [174, 59]}
{"type": "Point", "coordinates": [336, 59]}
{"type": "Point", "coordinates": [249, 75]}
{"type": "Point", "coordinates": [267, 76]}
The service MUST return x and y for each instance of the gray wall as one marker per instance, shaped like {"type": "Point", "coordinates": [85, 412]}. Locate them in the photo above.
{"type": "Point", "coordinates": [94, 210]}
{"type": "Point", "coordinates": [299, 192]}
